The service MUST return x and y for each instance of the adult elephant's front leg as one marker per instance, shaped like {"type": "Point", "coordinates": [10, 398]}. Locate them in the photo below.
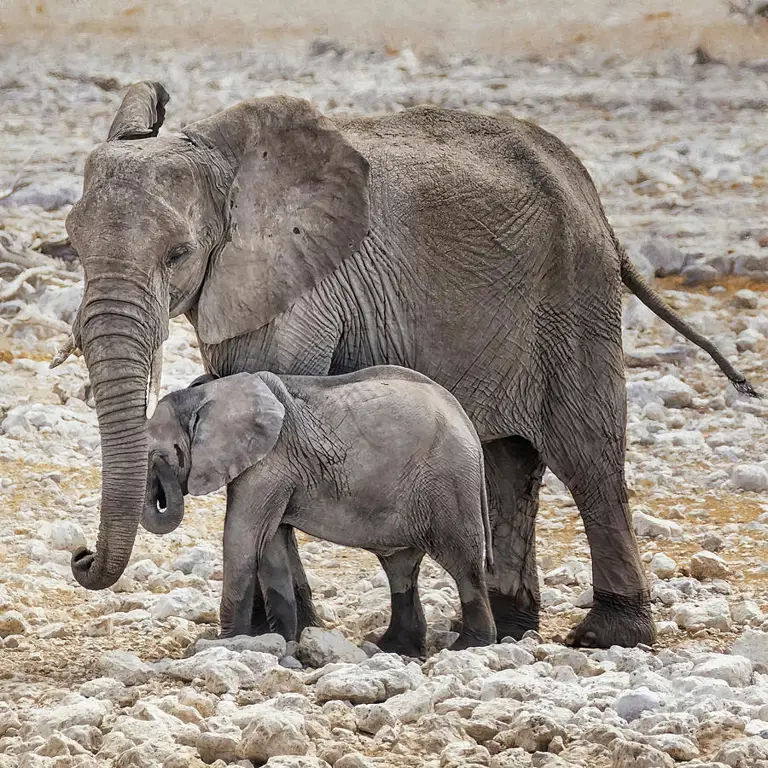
{"type": "Point", "coordinates": [513, 475]}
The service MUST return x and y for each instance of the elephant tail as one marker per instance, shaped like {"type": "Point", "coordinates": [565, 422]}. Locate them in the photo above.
{"type": "Point", "coordinates": [486, 518]}
{"type": "Point", "coordinates": [632, 278]}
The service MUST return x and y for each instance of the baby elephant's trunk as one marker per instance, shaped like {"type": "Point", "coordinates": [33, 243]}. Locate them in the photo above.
{"type": "Point", "coordinates": [164, 502]}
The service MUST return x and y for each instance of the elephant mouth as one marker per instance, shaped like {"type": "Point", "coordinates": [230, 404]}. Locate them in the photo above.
{"type": "Point", "coordinates": [160, 501]}
{"type": "Point", "coordinates": [164, 504]}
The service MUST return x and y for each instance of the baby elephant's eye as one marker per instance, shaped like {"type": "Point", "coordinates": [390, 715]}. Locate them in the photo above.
{"type": "Point", "coordinates": [178, 253]}
{"type": "Point", "coordinates": [179, 456]}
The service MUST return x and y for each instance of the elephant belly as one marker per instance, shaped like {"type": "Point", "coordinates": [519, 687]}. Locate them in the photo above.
{"type": "Point", "coordinates": [349, 526]}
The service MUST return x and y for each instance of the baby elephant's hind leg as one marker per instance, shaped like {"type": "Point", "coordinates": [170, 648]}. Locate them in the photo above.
{"type": "Point", "coordinates": [407, 631]}
{"type": "Point", "coordinates": [477, 626]}
{"type": "Point", "coordinates": [276, 579]}
{"type": "Point", "coordinates": [458, 547]}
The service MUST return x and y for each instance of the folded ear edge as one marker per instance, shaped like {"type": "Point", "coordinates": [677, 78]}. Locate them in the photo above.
{"type": "Point", "coordinates": [141, 113]}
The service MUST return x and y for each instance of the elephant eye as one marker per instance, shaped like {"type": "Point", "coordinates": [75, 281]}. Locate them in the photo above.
{"type": "Point", "coordinates": [179, 456]}
{"type": "Point", "coordinates": [178, 253]}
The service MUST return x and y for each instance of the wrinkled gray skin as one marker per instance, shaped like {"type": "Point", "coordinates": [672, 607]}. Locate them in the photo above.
{"type": "Point", "coordinates": [471, 248]}
{"type": "Point", "coordinates": [382, 458]}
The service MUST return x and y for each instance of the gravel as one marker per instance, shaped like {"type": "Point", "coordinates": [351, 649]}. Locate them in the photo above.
{"type": "Point", "coordinates": [132, 677]}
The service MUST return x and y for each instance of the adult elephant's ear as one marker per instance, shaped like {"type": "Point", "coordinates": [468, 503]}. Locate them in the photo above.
{"type": "Point", "coordinates": [298, 206]}
{"type": "Point", "coordinates": [141, 113]}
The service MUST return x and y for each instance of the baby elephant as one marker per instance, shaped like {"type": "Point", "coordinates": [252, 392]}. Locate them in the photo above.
{"type": "Point", "coordinates": [383, 459]}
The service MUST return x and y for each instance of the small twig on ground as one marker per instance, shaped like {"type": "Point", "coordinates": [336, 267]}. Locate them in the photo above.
{"type": "Point", "coordinates": [17, 182]}
{"type": "Point", "coordinates": [30, 316]}
{"type": "Point", "coordinates": [16, 185]}
{"type": "Point", "coordinates": [16, 284]}
{"type": "Point", "coordinates": [62, 282]}
{"type": "Point", "coordinates": [22, 260]}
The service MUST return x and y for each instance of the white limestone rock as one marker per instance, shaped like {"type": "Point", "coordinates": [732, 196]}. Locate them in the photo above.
{"type": "Point", "coordinates": [274, 732]}
{"type": "Point", "coordinates": [186, 603]}
{"type": "Point", "coordinates": [125, 667]}
{"type": "Point", "coordinates": [318, 647]}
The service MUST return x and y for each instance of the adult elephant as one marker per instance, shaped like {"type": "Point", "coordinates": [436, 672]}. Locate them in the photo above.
{"type": "Point", "coordinates": [471, 248]}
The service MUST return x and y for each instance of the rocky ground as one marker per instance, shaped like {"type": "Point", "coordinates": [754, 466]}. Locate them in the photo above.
{"type": "Point", "coordinates": [678, 150]}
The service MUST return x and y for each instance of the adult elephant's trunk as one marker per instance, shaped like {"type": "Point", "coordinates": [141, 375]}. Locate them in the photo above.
{"type": "Point", "coordinates": [118, 347]}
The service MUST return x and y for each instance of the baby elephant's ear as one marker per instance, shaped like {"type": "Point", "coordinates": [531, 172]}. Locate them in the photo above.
{"type": "Point", "coordinates": [235, 425]}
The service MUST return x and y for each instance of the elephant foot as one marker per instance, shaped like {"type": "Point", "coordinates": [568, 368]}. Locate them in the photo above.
{"type": "Point", "coordinates": [514, 614]}
{"type": "Point", "coordinates": [479, 628]}
{"type": "Point", "coordinates": [615, 620]}
{"type": "Point", "coordinates": [472, 640]}
{"type": "Point", "coordinates": [305, 613]}
{"type": "Point", "coordinates": [259, 626]}
{"type": "Point", "coordinates": [403, 643]}
{"type": "Point", "coordinates": [227, 633]}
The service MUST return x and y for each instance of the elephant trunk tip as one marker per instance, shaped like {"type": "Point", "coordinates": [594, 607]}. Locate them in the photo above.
{"type": "Point", "coordinates": [83, 560]}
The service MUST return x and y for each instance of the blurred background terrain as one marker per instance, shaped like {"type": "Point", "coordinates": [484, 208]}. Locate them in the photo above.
{"type": "Point", "coordinates": [548, 28]}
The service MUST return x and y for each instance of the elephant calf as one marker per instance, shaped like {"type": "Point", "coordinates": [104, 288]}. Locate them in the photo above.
{"type": "Point", "coordinates": [383, 458]}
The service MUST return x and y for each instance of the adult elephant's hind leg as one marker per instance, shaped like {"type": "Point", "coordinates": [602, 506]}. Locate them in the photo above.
{"type": "Point", "coordinates": [587, 453]}
{"type": "Point", "coordinates": [513, 470]}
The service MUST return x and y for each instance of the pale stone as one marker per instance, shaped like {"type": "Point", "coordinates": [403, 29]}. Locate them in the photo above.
{"type": "Point", "coordinates": [270, 643]}
{"type": "Point", "coordinates": [12, 623]}
{"type": "Point", "coordinates": [708, 565]}
{"type": "Point", "coordinates": [735, 670]}
{"type": "Point", "coordinates": [750, 477]}
{"type": "Point", "coordinates": [630, 754]}
{"type": "Point", "coordinates": [654, 527]}
{"type": "Point", "coordinates": [632, 704]}
{"type": "Point", "coordinates": [125, 667]}
{"type": "Point", "coordinates": [753, 645]}
{"type": "Point", "coordinates": [75, 710]}
{"type": "Point", "coordinates": [186, 603]}
{"type": "Point", "coordinates": [714, 613]}
{"type": "Point", "coordinates": [746, 611]}
{"type": "Point", "coordinates": [318, 647]}
{"type": "Point", "coordinates": [274, 732]}
{"type": "Point", "coordinates": [663, 566]}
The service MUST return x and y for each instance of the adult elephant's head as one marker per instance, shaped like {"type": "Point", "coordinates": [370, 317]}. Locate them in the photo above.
{"type": "Point", "coordinates": [231, 222]}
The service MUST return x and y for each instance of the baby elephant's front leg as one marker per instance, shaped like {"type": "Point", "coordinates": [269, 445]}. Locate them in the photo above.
{"type": "Point", "coordinates": [245, 527]}
{"type": "Point", "coordinates": [276, 579]}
